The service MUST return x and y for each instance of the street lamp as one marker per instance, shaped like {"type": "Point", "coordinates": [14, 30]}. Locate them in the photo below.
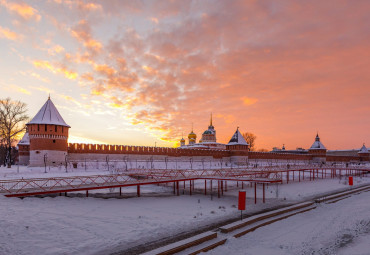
{"type": "Point", "coordinates": [45, 159]}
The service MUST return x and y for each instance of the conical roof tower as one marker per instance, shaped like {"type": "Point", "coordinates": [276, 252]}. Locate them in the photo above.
{"type": "Point", "coordinates": [364, 153]}
{"type": "Point", "coordinates": [48, 136]}
{"type": "Point", "coordinates": [237, 142]}
{"type": "Point", "coordinates": [318, 151]}
{"type": "Point", "coordinates": [49, 114]}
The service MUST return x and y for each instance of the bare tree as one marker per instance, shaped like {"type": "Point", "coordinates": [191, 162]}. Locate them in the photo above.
{"type": "Point", "coordinates": [250, 138]}
{"type": "Point", "coordinates": [12, 123]}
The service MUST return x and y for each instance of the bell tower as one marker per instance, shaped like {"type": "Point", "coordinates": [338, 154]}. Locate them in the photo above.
{"type": "Point", "coordinates": [48, 136]}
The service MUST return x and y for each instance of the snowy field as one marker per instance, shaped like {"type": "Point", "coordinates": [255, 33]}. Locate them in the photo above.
{"type": "Point", "coordinates": [341, 228]}
{"type": "Point", "coordinates": [80, 225]}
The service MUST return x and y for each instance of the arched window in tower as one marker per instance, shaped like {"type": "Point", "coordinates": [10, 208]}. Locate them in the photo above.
{"type": "Point", "coordinates": [46, 127]}
{"type": "Point", "coordinates": [56, 128]}
{"type": "Point", "coordinates": [62, 129]}
{"type": "Point", "coordinates": [38, 127]}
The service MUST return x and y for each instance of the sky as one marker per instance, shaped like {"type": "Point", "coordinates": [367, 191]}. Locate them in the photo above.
{"type": "Point", "coordinates": [143, 72]}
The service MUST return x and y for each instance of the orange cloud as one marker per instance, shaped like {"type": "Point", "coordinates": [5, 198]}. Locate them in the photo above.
{"type": "Point", "coordinates": [20, 89]}
{"type": "Point", "coordinates": [82, 32]}
{"type": "Point", "coordinates": [154, 20]}
{"type": "Point", "coordinates": [63, 70]}
{"type": "Point", "coordinates": [181, 71]}
{"type": "Point", "coordinates": [23, 10]}
{"type": "Point", "coordinates": [87, 77]}
{"type": "Point", "coordinates": [81, 5]}
{"type": "Point", "coordinates": [249, 100]}
{"type": "Point", "coordinates": [55, 50]}
{"type": "Point", "coordinates": [105, 70]}
{"type": "Point", "coordinates": [8, 34]}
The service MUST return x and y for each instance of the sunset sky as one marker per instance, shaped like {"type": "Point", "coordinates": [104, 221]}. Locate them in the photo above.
{"type": "Point", "coordinates": [141, 72]}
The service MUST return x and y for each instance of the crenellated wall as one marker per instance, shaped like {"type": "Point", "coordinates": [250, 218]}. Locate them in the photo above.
{"type": "Point", "coordinates": [278, 156]}
{"type": "Point", "coordinates": [78, 148]}
{"type": "Point", "coordinates": [342, 158]}
{"type": "Point", "coordinates": [79, 151]}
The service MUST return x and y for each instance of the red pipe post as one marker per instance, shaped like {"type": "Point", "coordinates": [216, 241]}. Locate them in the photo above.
{"type": "Point", "coordinates": [255, 193]}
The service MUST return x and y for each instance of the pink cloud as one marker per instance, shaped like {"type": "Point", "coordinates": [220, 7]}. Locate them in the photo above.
{"type": "Point", "coordinates": [279, 69]}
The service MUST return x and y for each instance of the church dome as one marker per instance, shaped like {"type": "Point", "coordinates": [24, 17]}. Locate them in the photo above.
{"type": "Point", "coordinates": [182, 140]}
{"type": "Point", "coordinates": [192, 135]}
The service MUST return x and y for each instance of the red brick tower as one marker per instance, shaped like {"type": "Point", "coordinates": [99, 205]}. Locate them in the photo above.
{"type": "Point", "coordinates": [48, 134]}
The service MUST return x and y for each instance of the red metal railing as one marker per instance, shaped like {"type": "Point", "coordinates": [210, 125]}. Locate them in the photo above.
{"type": "Point", "coordinates": [23, 187]}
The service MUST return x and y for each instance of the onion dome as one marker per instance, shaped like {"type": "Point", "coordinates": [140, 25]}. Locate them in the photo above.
{"type": "Point", "coordinates": [182, 140]}
{"type": "Point", "coordinates": [192, 135]}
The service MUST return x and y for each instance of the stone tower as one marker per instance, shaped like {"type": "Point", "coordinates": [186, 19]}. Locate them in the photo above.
{"type": "Point", "coordinates": [364, 153]}
{"type": "Point", "coordinates": [318, 151]}
{"type": "Point", "coordinates": [48, 136]}
{"type": "Point", "coordinates": [238, 148]}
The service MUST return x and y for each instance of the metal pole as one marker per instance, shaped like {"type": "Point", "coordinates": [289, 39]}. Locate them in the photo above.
{"type": "Point", "coordinates": [218, 186]}
{"type": "Point", "coordinates": [205, 187]}
{"type": "Point", "coordinates": [255, 193]}
{"type": "Point", "coordinates": [45, 159]}
{"type": "Point", "coordinates": [190, 187]}
{"type": "Point", "coordinates": [177, 187]}
{"type": "Point", "coordinates": [138, 190]}
{"type": "Point", "coordinates": [211, 191]}
{"type": "Point", "coordinates": [222, 188]}
{"type": "Point", "coordinates": [263, 192]}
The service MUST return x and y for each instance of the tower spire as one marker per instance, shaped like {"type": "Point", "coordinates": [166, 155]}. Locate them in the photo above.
{"type": "Point", "coordinates": [211, 119]}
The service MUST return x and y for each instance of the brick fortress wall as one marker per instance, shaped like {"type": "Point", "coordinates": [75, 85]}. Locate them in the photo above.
{"type": "Point", "coordinates": [80, 151]}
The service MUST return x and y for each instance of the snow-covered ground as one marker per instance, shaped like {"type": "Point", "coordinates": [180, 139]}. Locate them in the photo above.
{"type": "Point", "coordinates": [339, 228]}
{"type": "Point", "coordinates": [80, 225]}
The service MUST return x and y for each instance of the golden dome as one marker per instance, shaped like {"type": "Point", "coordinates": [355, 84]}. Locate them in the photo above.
{"type": "Point", "coordinates": [182, 140]}
{"type": "Point", "coordinates": [192, 135]}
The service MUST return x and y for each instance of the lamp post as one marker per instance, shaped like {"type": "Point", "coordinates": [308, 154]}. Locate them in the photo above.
{"type": "Point", "coordinates": [45, 159]}
{"type": "Point", "coordinates": [66, 161]}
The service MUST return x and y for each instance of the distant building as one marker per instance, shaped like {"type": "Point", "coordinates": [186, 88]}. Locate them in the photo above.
{"type": "Point", "coordinates": [208, 140]}
{"type": "Point", "coordinates": [46, 142]}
